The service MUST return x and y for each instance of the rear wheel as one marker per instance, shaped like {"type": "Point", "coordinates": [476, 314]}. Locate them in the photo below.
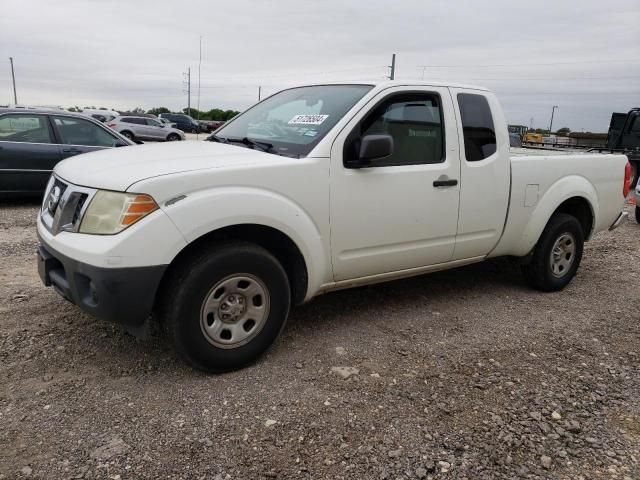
{"type": "Point", "coordinates": [637, 214]}
{"type": "Point", "coordinates": [224, 307]}
{"type": "Point", "coordinates": [127, 134]}
{"type": "Point", "coordinates": [557, 254]}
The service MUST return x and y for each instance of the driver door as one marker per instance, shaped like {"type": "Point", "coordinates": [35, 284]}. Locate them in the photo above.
{"type": "Point", "coordinates": [395, 215]}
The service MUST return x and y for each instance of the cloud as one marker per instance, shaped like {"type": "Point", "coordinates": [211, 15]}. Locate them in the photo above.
{"type": "Point", "coordinates": [122, 54]}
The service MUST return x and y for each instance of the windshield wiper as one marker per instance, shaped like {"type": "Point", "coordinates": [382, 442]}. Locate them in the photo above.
{"type": "Point", "coordinates": [215, 138]}
{"type": "Point", "coordinates": [263, 146]}
{"type": "Point", "coordinates": [250, 143]}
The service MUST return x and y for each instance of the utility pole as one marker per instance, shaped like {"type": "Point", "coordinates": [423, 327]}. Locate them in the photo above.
{"type": "Point", "coordinates": [551, 123]}
{"type": "Point", "coordinates": [13, 76]}
{"type": "Point", "coordinates": [259, 92]}
{"type": "Point", "coordinates": [189, 91]}
{"type": "Point", "coordinates": [199, 64]}
{"type": "Point", "coordinates": [393, 67]}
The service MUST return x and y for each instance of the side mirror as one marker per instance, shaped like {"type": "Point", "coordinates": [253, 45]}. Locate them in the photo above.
{"type": "Point", "coordinates": [372, 147]}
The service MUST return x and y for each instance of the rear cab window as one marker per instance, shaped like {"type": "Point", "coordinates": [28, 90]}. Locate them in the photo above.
{"type": "Point", "coordinates": [477, 125]}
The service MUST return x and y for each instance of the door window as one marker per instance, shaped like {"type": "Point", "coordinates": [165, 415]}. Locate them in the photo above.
{"type": "Point", "coordinates": [76, 131]}
{"type": "Point", "coordinates": [25, 128]}
{"type": "Point", "coordinates": [477, 127]}
{"type": "Point", "coordinates": [414, 121]}
{"type": "Point", "coordinates": [152, 123]}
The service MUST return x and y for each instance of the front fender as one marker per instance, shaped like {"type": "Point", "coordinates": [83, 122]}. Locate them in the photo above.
{"type": "Point", "coordinates": [205, 211]}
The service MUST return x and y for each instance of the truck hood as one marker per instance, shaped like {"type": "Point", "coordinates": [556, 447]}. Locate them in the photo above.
{"type": "Point", "coordinates": [119, 168]}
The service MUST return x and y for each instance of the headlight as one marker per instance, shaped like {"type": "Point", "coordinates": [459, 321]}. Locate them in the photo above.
{"type": "Point", "coordinates": [112, 212]}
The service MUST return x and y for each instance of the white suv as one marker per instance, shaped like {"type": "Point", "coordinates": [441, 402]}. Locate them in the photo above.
{"type": "Point", "coordinates": [144, 128]}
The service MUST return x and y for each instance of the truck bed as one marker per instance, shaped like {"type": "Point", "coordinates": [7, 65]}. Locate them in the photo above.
{"type": "Point", "coordinates": [540, 181]}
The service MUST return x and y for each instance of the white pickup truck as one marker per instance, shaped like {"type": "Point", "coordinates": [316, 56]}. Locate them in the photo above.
{"type": "Point", "coordinates": [314, 189]}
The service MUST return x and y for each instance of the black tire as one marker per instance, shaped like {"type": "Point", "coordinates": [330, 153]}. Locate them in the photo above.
{"type": "Point", "coordinates": [538, 273]}
{"type": "Point", "coordinates": [637, 214]}
{"type": "Point", "coordinates": [173, 137]}
{"type": "Point", "coordinates": [192, 282]}
{"type": "Point", "coordinates": [634, 174]}
{"type": "Point", "coordinates": [128, 134]}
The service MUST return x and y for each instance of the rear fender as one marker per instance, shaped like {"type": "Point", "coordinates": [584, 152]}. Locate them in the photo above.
{"type": "Point", "coordinates": [561, 191]}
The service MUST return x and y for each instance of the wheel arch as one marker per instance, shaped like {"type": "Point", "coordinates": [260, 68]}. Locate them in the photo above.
{"type": "Point", "coordinates": [578, 203]}
{"type": "Point", "coordinates": [573, 195]}
{"type": "Point", "coordinates": [580, 208]}
{"type": "Point", "coordinates": [280, 245]}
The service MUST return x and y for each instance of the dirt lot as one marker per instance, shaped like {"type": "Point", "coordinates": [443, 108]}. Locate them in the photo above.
{"type": "Point", "coordinates": [461, 374]}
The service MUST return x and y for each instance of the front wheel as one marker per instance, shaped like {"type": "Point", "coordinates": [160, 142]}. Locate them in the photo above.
{"type": "Point", "coordinates": [128, 134]}
{"type": "Point", "coordinates": [557, 254]}
{"type": "Point", "coordinates": [637, 214]}
{"type": "Point", "coordinates": [224, 307]}
{"type": "Point", "coordinates": [173, 137]}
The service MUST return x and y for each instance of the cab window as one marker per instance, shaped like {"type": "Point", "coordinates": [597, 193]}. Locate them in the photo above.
{"type": "Point", "coordinates": [477, 127]}
{"type": "Point", "coordinates": [414, 121]}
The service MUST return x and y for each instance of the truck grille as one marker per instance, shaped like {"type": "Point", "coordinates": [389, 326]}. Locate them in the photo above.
{"type": "Point", "coordinates": [64, 205]}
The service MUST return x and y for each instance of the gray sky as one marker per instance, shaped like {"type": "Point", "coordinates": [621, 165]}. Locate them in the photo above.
{"type": "Point", "coordinates": [583, 55]}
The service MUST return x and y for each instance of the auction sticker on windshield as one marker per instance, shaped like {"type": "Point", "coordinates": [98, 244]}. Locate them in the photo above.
{"type": "Point", "coordinates": [308, 119]}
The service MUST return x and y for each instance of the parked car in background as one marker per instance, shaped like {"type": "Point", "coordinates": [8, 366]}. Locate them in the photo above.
{"type": "Point", "coordinates": [100, 115]}
{"type": "Point", "coordinates": [211, 125]}
{"type": "Point", "coordinates": [144, 128]}
{"type": "Point", "coordinates": [32, 142]}
{"type": "Point", "coordinates": [166, 122]}
{"type": "Point", "coordinates": [183, 122]}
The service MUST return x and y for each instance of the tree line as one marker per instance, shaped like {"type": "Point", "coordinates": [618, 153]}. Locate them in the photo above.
{"type": "Point", "coordinates": [213, 114]}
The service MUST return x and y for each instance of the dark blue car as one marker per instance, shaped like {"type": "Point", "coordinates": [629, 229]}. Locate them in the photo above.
{"type": "Point", "coordinates": [33, 141]}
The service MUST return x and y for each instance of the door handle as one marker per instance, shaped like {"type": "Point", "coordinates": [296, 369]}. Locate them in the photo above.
{"type": "Point", "coordinates": [445, 182]}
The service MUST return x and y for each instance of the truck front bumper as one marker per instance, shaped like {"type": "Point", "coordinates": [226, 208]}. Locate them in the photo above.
{"type": "Point", "coordinates": [621, 218]}
{"type": "Point", "coordinates": [120, 295]}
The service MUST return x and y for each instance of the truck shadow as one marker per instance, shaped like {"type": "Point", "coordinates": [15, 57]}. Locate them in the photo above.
{"type": "Point", "coordinates": [495, 277]}
{"type": "Point", "coordinates": [336, 314]}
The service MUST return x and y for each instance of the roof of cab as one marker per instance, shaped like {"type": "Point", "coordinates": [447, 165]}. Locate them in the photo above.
{"type": "Point", "coordinates": [381, 85]}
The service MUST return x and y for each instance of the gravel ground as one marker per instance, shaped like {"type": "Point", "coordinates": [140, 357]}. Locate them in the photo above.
{"type": "Point", "coordinates": [459, 374]}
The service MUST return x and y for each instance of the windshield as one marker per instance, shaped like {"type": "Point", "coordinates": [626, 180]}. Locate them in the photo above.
{"type": "Point", "coordinates": [293, 121]}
